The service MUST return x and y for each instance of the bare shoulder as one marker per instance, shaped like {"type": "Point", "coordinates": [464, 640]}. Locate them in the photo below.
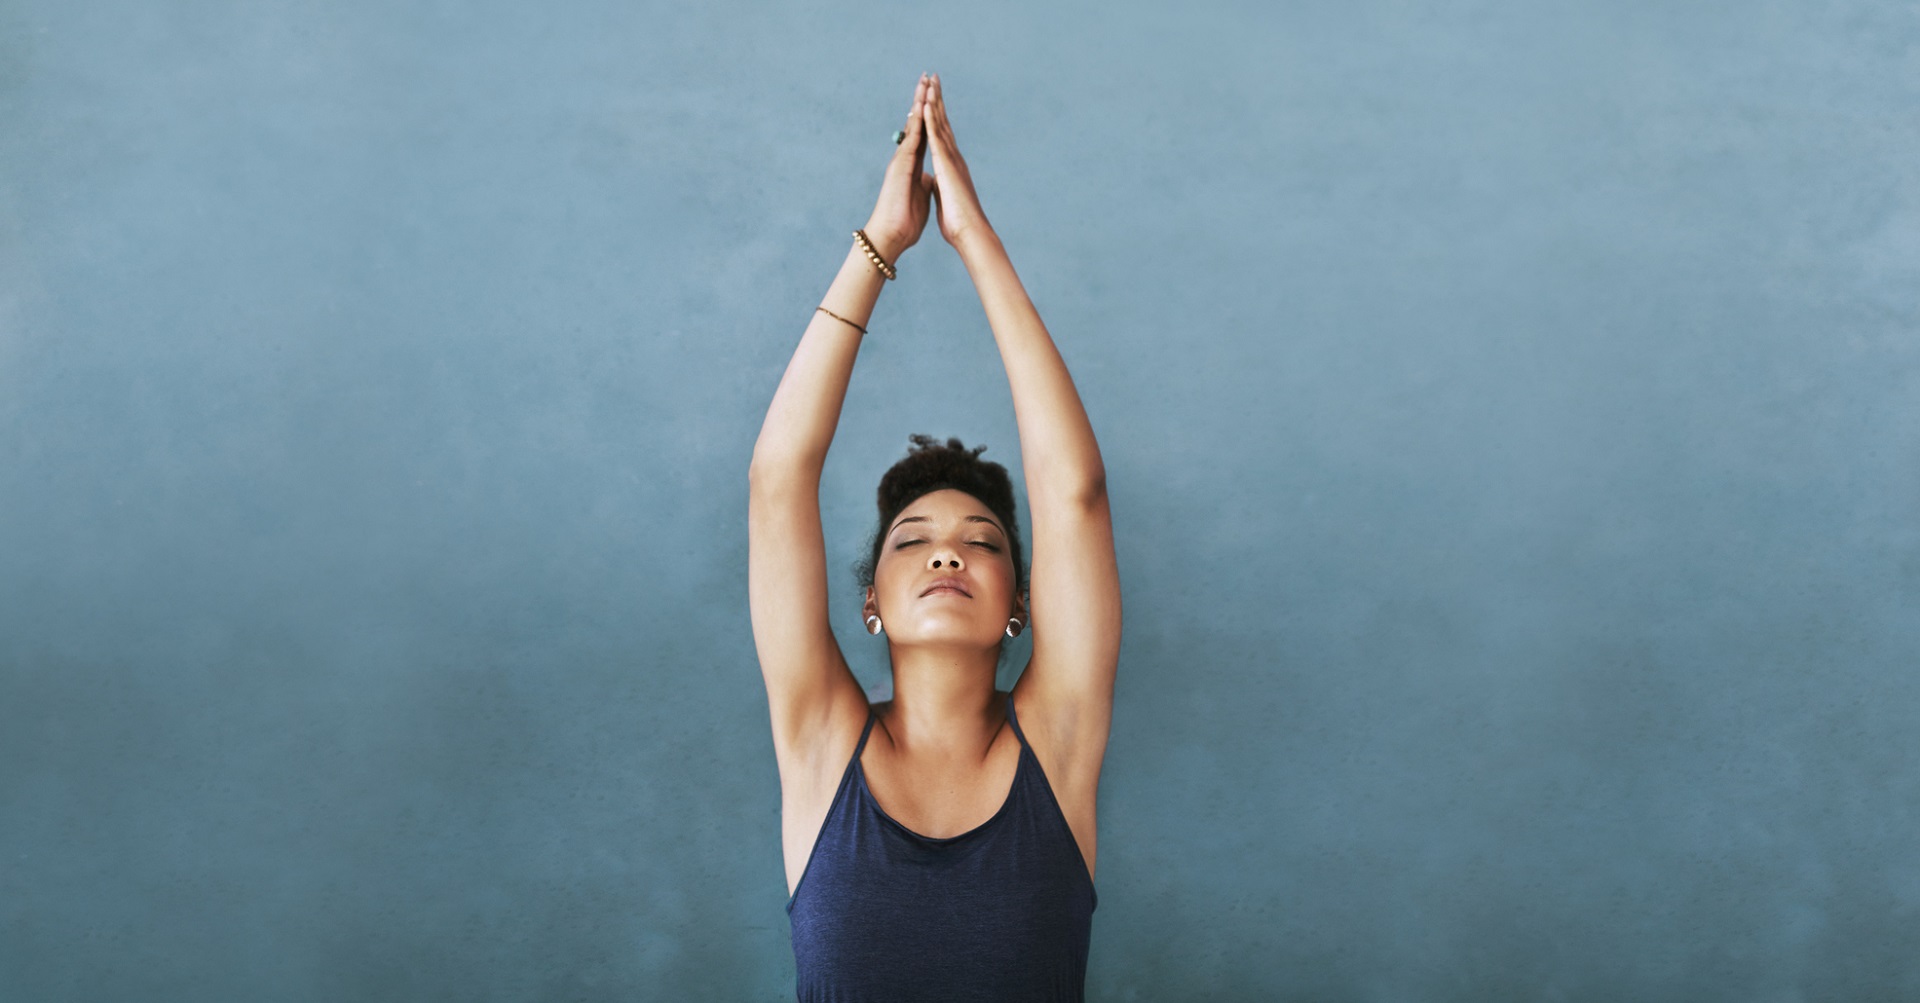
{"type": "Point", "coordinates": [811, 765]}
{"type": "Point", "coordinates": [1068, 733]}
{"type": "Point", "coordinates": [1069, 740]}
{"type": "Point", "coordinates": [809, 778]}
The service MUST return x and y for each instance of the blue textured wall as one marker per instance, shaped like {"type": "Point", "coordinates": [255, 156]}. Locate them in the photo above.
{"type": "Point", "coordinates": [1512, 417]}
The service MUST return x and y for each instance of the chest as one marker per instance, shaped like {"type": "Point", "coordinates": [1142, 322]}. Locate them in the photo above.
{"type": "Point", "coordinates": [941, 799]}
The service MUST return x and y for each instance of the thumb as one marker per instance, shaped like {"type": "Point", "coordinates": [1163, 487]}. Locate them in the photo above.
{"type": "Point", "coordinates": [910, 141]}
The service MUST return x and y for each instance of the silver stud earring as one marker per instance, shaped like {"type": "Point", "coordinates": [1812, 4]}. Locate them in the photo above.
{"type": "Point", "coordinates": [1013, 626]}
{"type": "Point", "coordinates": [873, 624]}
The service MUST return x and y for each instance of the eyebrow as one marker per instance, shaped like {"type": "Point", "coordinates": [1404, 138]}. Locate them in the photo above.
{"type": "Point", "coordinates": [922, 518]}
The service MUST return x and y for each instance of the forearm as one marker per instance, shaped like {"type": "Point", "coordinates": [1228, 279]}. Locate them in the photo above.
{"type": "Point", "coordinates": [806, 408]}
{"type": "Point", "coordinates": [1057, 447]}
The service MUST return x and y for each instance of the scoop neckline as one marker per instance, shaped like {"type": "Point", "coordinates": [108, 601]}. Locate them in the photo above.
{"type": "Point", "coordinates": [1012, 789]}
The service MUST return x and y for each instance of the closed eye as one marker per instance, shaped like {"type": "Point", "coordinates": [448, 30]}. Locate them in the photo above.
{"type": "Point", "coordinates": [904, 544]}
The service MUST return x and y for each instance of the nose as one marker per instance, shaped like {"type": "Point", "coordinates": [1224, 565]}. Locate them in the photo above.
{"type": "Point", "coordinates": [946, 559]}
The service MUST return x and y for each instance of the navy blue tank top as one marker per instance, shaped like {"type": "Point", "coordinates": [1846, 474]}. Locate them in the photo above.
{"type": "Point", "coordinates": [1001, 912]}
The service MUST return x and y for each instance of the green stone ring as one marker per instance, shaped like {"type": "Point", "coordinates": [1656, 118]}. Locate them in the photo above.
{"type": "Point", "coordinates": [898, 136]}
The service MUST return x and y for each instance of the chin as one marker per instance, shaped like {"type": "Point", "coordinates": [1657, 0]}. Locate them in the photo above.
{"type": "Point", "coordinates": [970, 635]}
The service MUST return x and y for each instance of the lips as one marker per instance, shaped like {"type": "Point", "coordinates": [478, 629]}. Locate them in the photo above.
{"type": "Point", "coordinates": [941, 584]}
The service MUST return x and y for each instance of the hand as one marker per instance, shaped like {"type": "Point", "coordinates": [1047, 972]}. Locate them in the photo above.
{"type": "Point", "coordinates": [959, 208]}
{"type": "Point", "coordinates": [901, 214]}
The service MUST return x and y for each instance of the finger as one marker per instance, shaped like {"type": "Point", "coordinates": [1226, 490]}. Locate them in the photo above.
{"type": "Point", "coordinates": [932, 125]}
{"type": "Point", "coordinates": [937, 122]}
{"type": "Point", "coordinates": [916, 122]}
{"type": "Point", "coordinates": [919, 99]}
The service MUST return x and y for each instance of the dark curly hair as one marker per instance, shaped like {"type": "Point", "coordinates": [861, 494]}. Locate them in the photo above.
{"type": "Point", "coordinates": [930, 466]}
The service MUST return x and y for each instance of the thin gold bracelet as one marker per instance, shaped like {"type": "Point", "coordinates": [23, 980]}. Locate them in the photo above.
{"type": "Point", "coordinates": [873, 255]}
{"type": "Point", "coordinates": [836, 316]}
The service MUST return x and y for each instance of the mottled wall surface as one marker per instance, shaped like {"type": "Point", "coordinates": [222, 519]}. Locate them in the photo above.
{"type": "Point", "coordinates": [1512, 419]}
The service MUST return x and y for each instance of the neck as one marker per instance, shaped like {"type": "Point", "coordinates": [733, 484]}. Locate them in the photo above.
{"type": "Point", "coordinates": [944, 701]}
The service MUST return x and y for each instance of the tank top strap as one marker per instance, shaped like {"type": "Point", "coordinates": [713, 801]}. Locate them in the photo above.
{"type": "Point", "coordinates": [1014, 720]}
{"type": "Point", "coordinates": [864, 732]}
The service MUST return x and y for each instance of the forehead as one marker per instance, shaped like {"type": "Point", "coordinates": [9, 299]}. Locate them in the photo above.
{"type": "Point", "coordinates": [944, 506]}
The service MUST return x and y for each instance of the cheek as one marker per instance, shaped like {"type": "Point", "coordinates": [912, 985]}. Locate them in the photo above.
{"type": "Point", "coordinates": [891, 569]}
{"type": "Point", "coordinates": [1003, 568]}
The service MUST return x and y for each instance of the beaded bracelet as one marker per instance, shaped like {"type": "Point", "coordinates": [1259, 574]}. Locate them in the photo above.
{"type": "Point", "coordinates": [878, 262]}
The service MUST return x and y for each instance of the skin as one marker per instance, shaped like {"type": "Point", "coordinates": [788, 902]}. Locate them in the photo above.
{"type": "Point", "coordinates": [901, 212]}
{"type": "Point", "coordinates": [944, 647]}
{"type": "Point", "coordinates": [942, 757]}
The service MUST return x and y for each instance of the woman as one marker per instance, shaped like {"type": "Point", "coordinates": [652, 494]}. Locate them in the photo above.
{"type": "Point", "coordinates": [939, 845]}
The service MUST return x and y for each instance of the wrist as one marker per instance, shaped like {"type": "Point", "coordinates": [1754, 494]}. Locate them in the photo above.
{"type": "Point", "coordinates": [977, 239]}
{"type": "Point", "coordinates": [889, 245]}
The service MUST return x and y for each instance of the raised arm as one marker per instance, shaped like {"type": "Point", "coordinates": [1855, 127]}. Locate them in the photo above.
{"type": "Point", "coordinates": [808, 682]}
{"type": "Point", "coordinates": [1075, 582]}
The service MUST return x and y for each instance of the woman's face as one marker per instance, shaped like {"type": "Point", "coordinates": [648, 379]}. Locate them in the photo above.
{"type": "Point", "coordinates": [945, 534]}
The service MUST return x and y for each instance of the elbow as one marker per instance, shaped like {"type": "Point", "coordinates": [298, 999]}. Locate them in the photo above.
{"type": "Point", "coordinates": [1060, 486]}
{"type": "Point", "coordinates": [765, 475]}
{"type": "Point", "coordinates": [1082, 492]}
{"type": "Point", "coordinates": [1094, 491]}
{"type": "Point", "coordinates": [764, 465]}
